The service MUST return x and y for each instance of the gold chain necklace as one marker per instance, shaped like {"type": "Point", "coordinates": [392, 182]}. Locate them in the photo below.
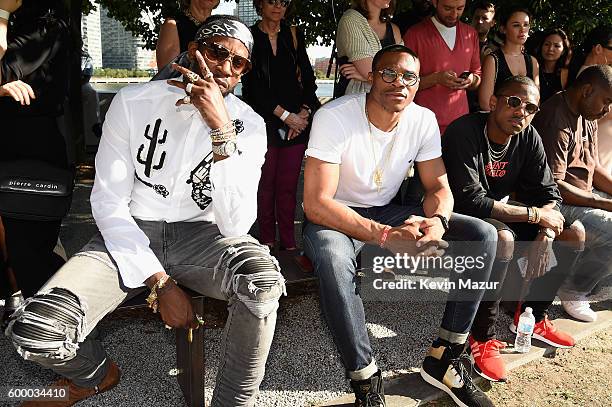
{"type": "Point", "coordinates": [379, 171]}
{"type": "Point", "coordinates": [192, 18]}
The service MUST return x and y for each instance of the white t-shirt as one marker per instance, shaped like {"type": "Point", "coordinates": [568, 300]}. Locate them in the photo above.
{"type": "Point", "coordinates": [448, 33]}
{"type": "Point", "coordinates": [340, 135]}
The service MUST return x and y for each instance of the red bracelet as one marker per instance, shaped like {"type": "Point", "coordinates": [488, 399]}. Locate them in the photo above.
{"type": "Point", "coordinates": [385, 233]}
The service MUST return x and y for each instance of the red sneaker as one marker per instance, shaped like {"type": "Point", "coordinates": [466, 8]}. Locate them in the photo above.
{"type": "Point", "coordinates": [487, 360]}
{"type": "Point", "coordinates": [546, 332]}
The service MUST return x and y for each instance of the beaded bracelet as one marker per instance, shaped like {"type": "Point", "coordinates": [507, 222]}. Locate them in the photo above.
{"type": "Point", "coordinates": [223, 137]}
{"type": "Point", "coordinates": [529, 215]}
{"type": "Point", "coordinates": [226, 127]}
{"type": "Point", "coordinates": [383, 237]}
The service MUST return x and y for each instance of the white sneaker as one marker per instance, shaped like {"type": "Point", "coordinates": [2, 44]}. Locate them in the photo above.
{"type": "Point", "coordinates": [580, 309]}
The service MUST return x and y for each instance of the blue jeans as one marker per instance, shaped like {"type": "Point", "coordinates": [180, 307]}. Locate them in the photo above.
{"type": "Point", "coordinates": [334, 256]}
{"type": "Point", "coordinates": [596, 262]}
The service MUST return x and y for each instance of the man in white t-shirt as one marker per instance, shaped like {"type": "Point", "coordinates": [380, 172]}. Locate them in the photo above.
{"type": "Point", "coordinates": [361, 148]}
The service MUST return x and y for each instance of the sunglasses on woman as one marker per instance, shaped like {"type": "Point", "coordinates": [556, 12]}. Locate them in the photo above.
{"type": "Point", "coordinates": [218, 53]}
{"type": "Point", "coordinates": [514, 102]}
{"type": "Point", "coordinates": [282, 3]}
{"type": "Point", "coordinates": [407, 78]}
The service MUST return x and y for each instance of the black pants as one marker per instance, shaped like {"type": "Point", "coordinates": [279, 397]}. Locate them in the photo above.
{"type": "Point", "coordinates": [30, 247]}
{"type": "Point", "coordinates": [542, 290]}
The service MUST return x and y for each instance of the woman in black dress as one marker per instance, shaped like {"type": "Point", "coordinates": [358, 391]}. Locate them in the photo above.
{"type": "Point", "coordinates": [280, 88]}
{"type": "Point", "coordinates": [553, 55]}
{"type": "Point", "coordinates": [33, 88]}
{"type": "Point", "coordinates": [511, 59]}
{"type": "Point", "coordinates": [177, 31]}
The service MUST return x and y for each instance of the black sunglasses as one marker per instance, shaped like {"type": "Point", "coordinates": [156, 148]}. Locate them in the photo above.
{"type": "Point", "coordinates": [218, 53]}
{"type": "Point", "coordinates": [283, 3]}
{"type": "Point", "coordinates": [514, 102]}
{"type": "Point", "coordinates": [407, 78]}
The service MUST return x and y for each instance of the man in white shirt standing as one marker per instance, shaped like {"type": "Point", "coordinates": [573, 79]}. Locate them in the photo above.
{"type": "Point", "coordinates": [361, 148]}
{"type": "Point", "coordinates": [174, 197]}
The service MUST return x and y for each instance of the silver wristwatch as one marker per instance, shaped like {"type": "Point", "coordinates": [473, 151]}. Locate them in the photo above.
{"type": "Point", "coordinates": [225, 149]}
{"type": "Point", "coordinates": [548, 232]}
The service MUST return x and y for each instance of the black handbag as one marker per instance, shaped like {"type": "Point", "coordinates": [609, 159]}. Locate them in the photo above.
{"type": "Point", "coordinates": [34, 190]}
{"type": "Point", "coordinates": [342, 82]}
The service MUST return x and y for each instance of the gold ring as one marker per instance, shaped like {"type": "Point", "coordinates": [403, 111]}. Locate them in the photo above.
{"type": "Point", "coordinates": [192, 77]}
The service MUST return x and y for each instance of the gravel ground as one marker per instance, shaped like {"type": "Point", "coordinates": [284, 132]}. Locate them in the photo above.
{"type": "Point", "coordinates": [572, 377]}
{"type": "Point", "coordinates": [303, 368]}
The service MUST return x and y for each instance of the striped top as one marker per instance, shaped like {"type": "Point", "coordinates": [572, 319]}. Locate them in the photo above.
{"type": "Point", "coordinates": [356, 40]}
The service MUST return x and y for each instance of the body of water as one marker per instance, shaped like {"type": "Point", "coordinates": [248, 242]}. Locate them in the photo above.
{"type": "Point", "coordinates": [324, 88]}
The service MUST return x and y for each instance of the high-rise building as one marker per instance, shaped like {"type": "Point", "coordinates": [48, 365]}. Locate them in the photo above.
{"type": "Point", "coordinates": [92, 39]}
{"type": "Point", "coordinates": [321, 64]}
{"type": "Point", "coordinates": [121, 49]}
{"type": "Point", "coordinates": [247, 13]}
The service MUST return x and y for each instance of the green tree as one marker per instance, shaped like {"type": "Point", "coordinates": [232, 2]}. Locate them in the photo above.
{"type": "Point", "coordinates": [318, 18]}
{"type": "Point", "coordinates": [575, 17]}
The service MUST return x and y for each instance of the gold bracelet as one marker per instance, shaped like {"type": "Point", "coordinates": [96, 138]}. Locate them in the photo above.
{"type": "Point", "coordinates": [533, 215]}
{"type": "Point", "coordinates": [538, 216]}
{"type": "Point", "coordinates": [152, 300]}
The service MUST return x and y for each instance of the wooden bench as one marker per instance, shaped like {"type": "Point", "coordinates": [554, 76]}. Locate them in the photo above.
{"type": "Point", "coordinates": [189, 355]}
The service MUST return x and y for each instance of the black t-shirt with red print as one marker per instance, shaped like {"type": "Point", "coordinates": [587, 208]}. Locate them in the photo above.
{"type": "Point", "coordinates": [477, 181]}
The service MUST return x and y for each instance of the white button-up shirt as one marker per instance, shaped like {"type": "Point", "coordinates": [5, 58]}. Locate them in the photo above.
{"type": "Point", "coordinates": [155, 163]}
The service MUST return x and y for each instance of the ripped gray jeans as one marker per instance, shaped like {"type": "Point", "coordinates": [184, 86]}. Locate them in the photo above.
{"type": "Point", "coordinates": [238, 270]}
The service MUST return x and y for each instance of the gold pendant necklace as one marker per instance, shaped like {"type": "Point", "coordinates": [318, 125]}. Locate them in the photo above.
{"type": "Point", "coordinates": [378, 174]}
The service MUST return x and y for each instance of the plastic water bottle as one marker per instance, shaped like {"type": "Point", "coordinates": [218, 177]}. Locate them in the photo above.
{"type": "Point", "coordinates": [524, 330]}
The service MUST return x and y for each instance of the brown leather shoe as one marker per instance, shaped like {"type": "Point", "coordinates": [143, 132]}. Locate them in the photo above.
{"type": "Point", "coordinates": [77, 393]}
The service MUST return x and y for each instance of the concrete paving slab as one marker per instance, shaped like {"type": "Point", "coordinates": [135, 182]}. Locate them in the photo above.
{"type": "Point", "coordinates": [410, 390]}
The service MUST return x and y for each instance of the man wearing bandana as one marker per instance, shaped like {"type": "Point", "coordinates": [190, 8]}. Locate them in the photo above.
{"type": "Point", "coordinates": [174, 197]}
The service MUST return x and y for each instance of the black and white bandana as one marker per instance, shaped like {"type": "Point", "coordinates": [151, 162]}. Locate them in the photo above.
{"type": "Point", "coordinates": [225, 27]}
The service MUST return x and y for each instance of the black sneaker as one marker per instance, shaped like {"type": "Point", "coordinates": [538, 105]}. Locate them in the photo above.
{"type": "Point", "coordinates": [369, 392]}
{"type": "Point", "coordinates": [444, 368]}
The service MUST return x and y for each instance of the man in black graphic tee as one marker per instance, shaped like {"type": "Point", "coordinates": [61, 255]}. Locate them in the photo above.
{"type": "Point", "coordinates": [497, 171]}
